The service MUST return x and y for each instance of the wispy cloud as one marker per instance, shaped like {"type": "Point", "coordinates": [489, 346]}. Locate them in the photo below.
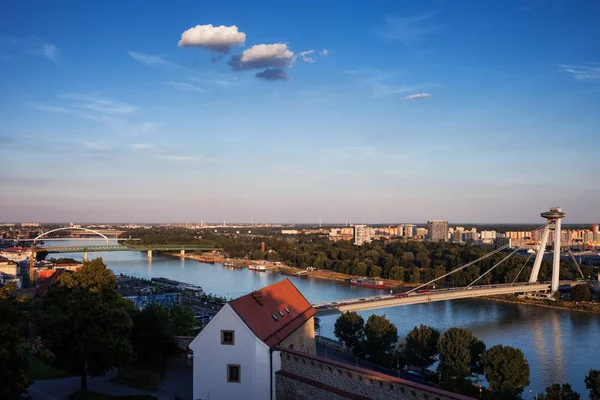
{"type": "Point", "coordinates": [98, 103]}
{"type": "Point", "coordinates": [44, 107]}
{"type": "Point", "coordinates": [220, 80]}
{"type": "Point", "coordinates": [153, 60]}
{"type": "Point", "coordinates": [408, 30]}
{"type": "Point", "coordinates": [378, 82]}
{"type": "Point", "coordinates": [586, 72]}
{"type": "Point", "coordinates": [418, 96]}
{"type": "Point", "coordinates": [12, 47]}
{"type": "Point", "coordinates": [163, 153]}
{"type": "Point", "coordinates": [188, 87]}
{"type": "Point", "coordinates": [380, 90]}
{"type": "Point", "coordinates": [50, 52]}
{"type": "Point", "coordinates": [324, 53]}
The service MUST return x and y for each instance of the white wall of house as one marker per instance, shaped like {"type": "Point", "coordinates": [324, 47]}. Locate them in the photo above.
{"type": "Point", "coordinates": [211, 359]}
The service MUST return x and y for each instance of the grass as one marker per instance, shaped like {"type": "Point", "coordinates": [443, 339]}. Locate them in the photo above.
{"type": "Point", "coordinates": [78, 395]}
{"type": "Point", "coordinates": [39, 370]}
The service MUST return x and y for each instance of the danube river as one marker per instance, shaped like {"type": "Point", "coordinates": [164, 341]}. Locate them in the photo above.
{"type": "Point", "coordinates": [560, 346]}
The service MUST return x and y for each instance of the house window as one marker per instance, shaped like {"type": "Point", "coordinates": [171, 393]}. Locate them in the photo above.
{"type": "Point", "coordinates": [233, 373]}
{"type": "Point", "coordinates": [227, 337]}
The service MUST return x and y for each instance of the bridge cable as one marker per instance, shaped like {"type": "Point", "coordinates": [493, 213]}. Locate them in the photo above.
{"type": "Point", "coordinates": [575, 261]}
{"type": "Point", "coordinates": [499, 249]}
{"type": "Point", "coordinates": [500, 262]}
{"type": "Point", "coordinates": [523, 267]}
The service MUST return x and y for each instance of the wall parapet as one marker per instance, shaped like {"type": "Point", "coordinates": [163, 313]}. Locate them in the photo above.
{"type": "Point", "coordinates": [299, 370]}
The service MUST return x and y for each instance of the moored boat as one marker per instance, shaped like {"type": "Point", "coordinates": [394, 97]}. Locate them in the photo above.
{"type": "Point", "coordinates": [366, 282]}
{"type": "Point", "coordinates": [257, 267]}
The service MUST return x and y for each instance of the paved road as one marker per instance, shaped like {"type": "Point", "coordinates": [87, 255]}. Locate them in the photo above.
{"type": "Point", "coordinates": [60, 389]}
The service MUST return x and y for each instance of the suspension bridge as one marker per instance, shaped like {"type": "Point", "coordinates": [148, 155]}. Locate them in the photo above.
{"type": "Point", "coordinates": [424, 294]}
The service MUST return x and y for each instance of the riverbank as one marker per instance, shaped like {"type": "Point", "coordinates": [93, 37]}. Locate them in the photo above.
{"type": "Point", "coordinates": [591, 308]}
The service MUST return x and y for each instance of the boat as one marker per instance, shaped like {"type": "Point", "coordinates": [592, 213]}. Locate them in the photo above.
{"type": "Point", "coordinates": [366, 282]}
{"type": "Point", "coordinates": [257, 267]}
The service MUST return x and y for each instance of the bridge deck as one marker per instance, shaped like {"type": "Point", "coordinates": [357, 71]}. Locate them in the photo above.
{"type": "Point", "coordinates": [425, 296]}
{"type": "Point", "coordinates": [91, 249]}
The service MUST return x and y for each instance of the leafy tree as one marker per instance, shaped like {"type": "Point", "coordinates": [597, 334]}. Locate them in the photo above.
{"type": "Point", "coordinates": [421, 346]}
{"type": "Point", "coordinates": [460, 355]}
{"type": "Point", "coordinates": [349, 328]}
{"type": "Point", "coordinates": [360, 269]}
{"type": "Point", "coordinates": [592, 382]}
{"type": "Point", "coordinates": [13, 336]}
{"type": "Point", "coordinates": [84, 321]}
{"type": "Point", "coordinates": [397, 273]}
{"type": "Point", "coordinates": [380, 335]}
{"type": "Point", "coordinates": [152, 337]}
{"type": "Point", "coordinates": [581, 292]}
{"type": "Point", "coordinates": [558, 392]}
{"type": "Point", "coordinates": [415, 275]}
{"type": "Point", "coordinates": [183, 320]}
{"type": "Point", "coordinates": [506, 370]}
{"type": "Point", "coordinates": [375, 271]}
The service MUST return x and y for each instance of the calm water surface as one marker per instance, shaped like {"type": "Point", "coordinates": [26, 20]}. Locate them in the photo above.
{"type": "Point", "coordinates": [560, 346]}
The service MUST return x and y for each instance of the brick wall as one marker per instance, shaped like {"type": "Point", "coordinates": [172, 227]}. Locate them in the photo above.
{"type": "Point", "coordinates": [304, 376]}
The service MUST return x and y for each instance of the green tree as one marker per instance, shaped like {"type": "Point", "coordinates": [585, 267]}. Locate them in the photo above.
{"type": "Point", "coordinates": [506, 370]}
{"type": "Point", "coordinates": [558, 392]}
{"type": "Point", "coordinates": [592, 382]}
{"type": "Point", "coordinates": [152, 337]}
{"type": "Point", "coordinates": [13, 337]}
{"type": "Point", "coordinates": [183, 320]}
{"type": "Point", "coordinates": [415, 275]}
{"type": "Point", "coordinates": [581, 292]}
{"type": "Point", "coordinates": [421, 346]}
{"type": "Point", "coordinates": [360, 269]}
{"type": "Point", "coordinates": [84, 321]}
{"type": "Point", "coordinates": [460, 358]}
{"type": "Point", "coordinates": [397, 273]}
{"type": "Point", "coordinates": [380, 335]}
{"type": "Point", "coordinates": [375, 271]}
{"type": "Point", "coordinates": [349, 328]}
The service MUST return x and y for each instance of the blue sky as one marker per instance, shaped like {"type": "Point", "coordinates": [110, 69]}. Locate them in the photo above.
{"type": "Point", "coordinates": [298, 110]}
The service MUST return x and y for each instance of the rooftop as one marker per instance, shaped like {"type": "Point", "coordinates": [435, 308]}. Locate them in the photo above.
{"type": "Point", "coordinates": [274, 312]}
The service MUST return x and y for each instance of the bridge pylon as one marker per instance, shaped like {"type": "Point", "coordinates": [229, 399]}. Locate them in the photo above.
{"type": "Point", "coordinates": [553, 225]}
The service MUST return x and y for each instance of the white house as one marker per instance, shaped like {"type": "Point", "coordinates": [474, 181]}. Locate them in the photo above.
{"type": "Point", "coordinates": [235, 355]}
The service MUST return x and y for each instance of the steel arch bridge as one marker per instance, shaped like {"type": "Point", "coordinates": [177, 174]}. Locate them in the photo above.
{"type": "Point", "coordinates": [69, 228]}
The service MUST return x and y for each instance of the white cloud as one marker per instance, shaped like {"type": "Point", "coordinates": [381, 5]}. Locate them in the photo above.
{"type": "Point", "coordinates": [304, 55]}
{"type": "Point", "coordinates": [188, 87]}
{"type": "Point", "coordinates": [418, 96]}
{"type": "Point", "coordinates": [324, 53]}
{"type": "Point", "coordinates": [263, 56]}
{"type": "Point", "coordinates": [97, 103]}
{"type": "Point", "coordinates": [408, 30]}
{"type": "Point", "coordinates": [50, 52]}
{"type": "Point", "coordinates": [219, 39]}
{"type": "Point", "coordinates": [587, 72]}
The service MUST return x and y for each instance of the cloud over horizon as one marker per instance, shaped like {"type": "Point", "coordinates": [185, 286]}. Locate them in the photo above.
{"type": "Point", "coordinates": [219, 39]}
{"type": "Point", "coordinates": [418, 96]}
{"type": "Point", "coordinates": [588, 72]}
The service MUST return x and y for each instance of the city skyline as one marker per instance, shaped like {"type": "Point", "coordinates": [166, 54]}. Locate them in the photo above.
{"type": "Point", "coordinates": [484, 113]}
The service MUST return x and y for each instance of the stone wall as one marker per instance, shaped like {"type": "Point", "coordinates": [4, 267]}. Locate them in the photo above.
{"type": "Point", "coordinates": [302, 339]}
{"type": "Point", "coordinates": [304, 376]}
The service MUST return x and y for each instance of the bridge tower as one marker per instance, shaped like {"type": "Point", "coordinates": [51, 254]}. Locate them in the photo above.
{"type": "Point", "coordinates": [553, 216]}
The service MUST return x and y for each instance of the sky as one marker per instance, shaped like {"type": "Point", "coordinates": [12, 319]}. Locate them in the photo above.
{"type": "Point", "coordinates": [295, 111]}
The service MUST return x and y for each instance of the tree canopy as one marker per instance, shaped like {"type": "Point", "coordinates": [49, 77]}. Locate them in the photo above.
{"type": "Point", "coordinates": [460, 355]}
{"type": "Point", "coordinates": [421, 346]}
{"type": "Point", "coordinates": [349, 328]}
{"type": "Point", "coordinates": [13, 337]}
{"type": "Point", "coordinates": [592, 383]}
{"type": "Point", "coordinates": [558, 392]}
{"type": "Point", "coordinates": [506, 370]}
{"type": "Point", "coordinates": [380, 335]}
{"type": "Point", "coordinates": [581, 292]}
{"type": "Point", "coordinates": [153, 336]}
{"type": "Point", "coordinates": [84, 321]}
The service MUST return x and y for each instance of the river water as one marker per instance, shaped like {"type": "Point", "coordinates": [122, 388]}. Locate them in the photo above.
{"type": "Point", "coordinates": [560, 346]}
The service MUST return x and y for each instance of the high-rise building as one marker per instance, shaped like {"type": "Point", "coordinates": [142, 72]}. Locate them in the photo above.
{"type": "Point", "coordinates": [362, 234]}
{"type": "Point", "coordinates": [438, 230]}
{"type": "Point", "coordinates": [595, 228]}
{"type": "Point", "coordinates": [457, 235]}
{"type": "Point", "coordinates": [421, 232]}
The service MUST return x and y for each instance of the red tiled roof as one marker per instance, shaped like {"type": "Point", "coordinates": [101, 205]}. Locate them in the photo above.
{"type": "Point", "coordinates": [256, 309]}
{"type": "Point", "coordinates": [42, 288]}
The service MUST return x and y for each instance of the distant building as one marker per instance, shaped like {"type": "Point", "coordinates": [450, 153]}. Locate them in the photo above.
{"type": "Point", "coordinates": [487, 236]}
{"type": "Point", "coordinates": [149, 295]}
{"type": "Point", "coordinates": [595, 228]}
{"type": "Point", "coordinates": [30, 225]}
{"type": "Point", "coordinates": [236, 356]}
{"type": "Point", "coordinates": [457, 235]}
{"type": "Point", "coordinates": [502, 241]}
{"type": "Point", "coordinates": [362, 234]}
{"type": "Point", "coordinates": [421, 233]}
{"type": "Point", "coordinates": [438, 230]}
{"type": "Point", "coordinates": [289, 231]}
